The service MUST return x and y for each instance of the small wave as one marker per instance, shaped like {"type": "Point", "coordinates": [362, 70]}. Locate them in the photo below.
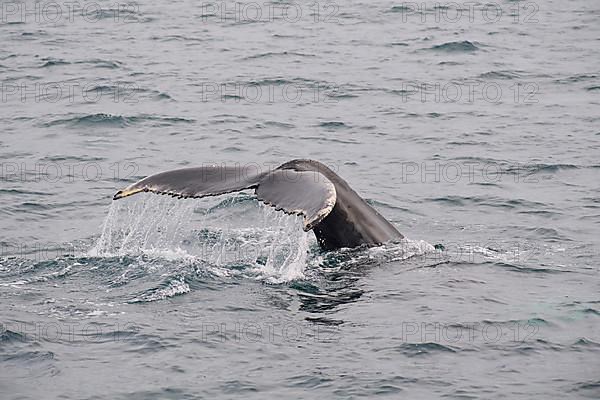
{"type": "Point", "coordinates": [423, 349]}
{"type": "Point", "coordinates": [158, 120]}
{"type": "Point", "coordinates": [491, 201]}
{"type": "Point", "coordinates": [591, 388]}
{"type": "Point", "coordinates": [456, 47]}
{"type": "Point", "coordinates": [550, 234]}
{"type": "Point", "coordinates": [271, 82]}
{"type": "Point", "coordinates": [527, 270]}
{"type": "Point", "coordinates": [60, 269]}
{"type": "Point", "coordinates": [117, 13]}
{"type": "Point", "coordinates": [280, 81]}
{"type": "Point", "coordinates": [452, 63]}
{"type": "Point", "coordinates": [528, 323]}
{"type": "Point", "coordinates": [232, 149]}
{"type": "Point", "coordinates": [7, 336]}
{"type": "Point", "coordinates": [99, 63]}
{"type": "Point", "coordinates": [278, 54]}
{"type": "Point", "coordinates": [398, 44]}
{"type": "Point", "coordinates": [117, 90]}
{"type": "Point", "coordinates": [52, 62]}
{"type": "Point", "coordinates": [577, 78]}
{"type": "Point", "coordinates": [333, 125]}
{"type": "Point", "coordinates": [403, 9]}
{"type": "Point", "coordinates": [585, 344]}
{"type": "Point", "coordinates": [173, 287]}
{"type": "Point", "coordinates": [163, 96]}
{"type": "Point", "coordinates": [99, 119]}
{"type": "Point", "coordinates": [168, 38]}
{"type": "Point", "coordinates": [28, 356]}
{"type": "Point", "coordinates": [341, 95]}
{"type": "Point", "coordinates": [276, 124]}
{"type": "Point", "coordinates": [500, 75]}
{"type": "Point", "coordinates": [22, 192]}
{"type": "Point", "coordinates": [111, 120]}
{"type": "Point", "coordinates": [591, 311]}
{"type": "Point", "coordinates": [540, 168]}
{"type": "Point", "coordinates": [317, 139]}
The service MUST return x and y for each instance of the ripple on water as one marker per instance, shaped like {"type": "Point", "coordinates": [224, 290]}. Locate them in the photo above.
{"type": "Point", "coordinates": [423, 349]}
{"type": "Point", "coordinates": [456, 47]}
{"type": "Point", "coordinates": [501, 74]}
{"type": "Point", "coordinates": [112, 120]}
{"type": "Point", "coordinates": [171, 287]}
{"type": "Point", "coordinates": [333, 125]}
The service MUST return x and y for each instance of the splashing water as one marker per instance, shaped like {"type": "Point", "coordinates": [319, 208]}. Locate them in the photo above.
{"type": "Point", "coordinates": [208, 232]}
{"type": "Point", "coordinates": [146, 226]}
{"type": "Point", "coordinates": [287, 256]}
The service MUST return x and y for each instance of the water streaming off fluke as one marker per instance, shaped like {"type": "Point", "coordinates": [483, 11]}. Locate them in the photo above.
{"type": "Point", "coordinates": [226, 235]}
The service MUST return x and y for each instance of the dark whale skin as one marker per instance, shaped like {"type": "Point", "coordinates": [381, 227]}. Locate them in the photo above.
{"type": "Point", "coordinates": [352, 222]}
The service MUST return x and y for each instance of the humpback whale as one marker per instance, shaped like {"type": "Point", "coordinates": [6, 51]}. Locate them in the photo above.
{"type": "Point", "coordinates": [336, 214]}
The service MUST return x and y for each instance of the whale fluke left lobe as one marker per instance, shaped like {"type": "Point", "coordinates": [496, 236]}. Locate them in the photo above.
{"type": "Point", "coordinates": [195, 182]}
{"type": "Point", "coordinates": [306, 193]}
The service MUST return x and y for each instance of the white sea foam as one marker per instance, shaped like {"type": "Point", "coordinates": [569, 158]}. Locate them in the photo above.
{"type": "Point", "coordinates": [174, 288]}
{"type": "Point", "coordinates": [200, 232]}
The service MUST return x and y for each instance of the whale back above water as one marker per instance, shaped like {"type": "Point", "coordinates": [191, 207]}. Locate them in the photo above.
{"type": "Point", "coordinates": [336, 214]}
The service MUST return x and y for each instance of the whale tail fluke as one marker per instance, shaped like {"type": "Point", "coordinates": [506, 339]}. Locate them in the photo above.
{"type": "Point", "coordinates": [306, 193]}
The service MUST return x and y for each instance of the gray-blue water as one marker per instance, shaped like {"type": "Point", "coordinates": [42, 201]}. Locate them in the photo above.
{"type": "Point", "coordinates": [472, 126]}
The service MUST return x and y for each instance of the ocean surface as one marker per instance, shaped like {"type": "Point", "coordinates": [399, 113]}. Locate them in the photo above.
{"type": "Point", "coordinates": [473, 127]}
